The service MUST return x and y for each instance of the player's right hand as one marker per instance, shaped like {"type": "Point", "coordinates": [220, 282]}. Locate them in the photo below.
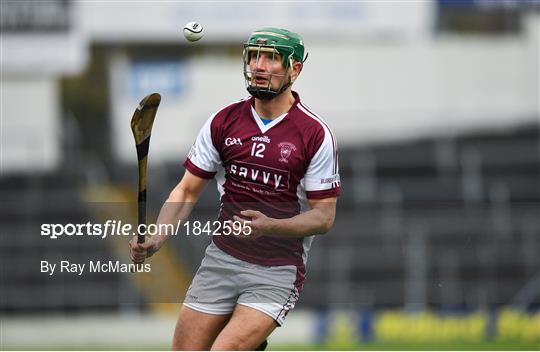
{"type": "Point", "coordinates": [140, 251]}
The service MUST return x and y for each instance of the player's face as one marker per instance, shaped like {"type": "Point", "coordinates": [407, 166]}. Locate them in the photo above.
{"type": "Point", "coordinates": [267, 70]}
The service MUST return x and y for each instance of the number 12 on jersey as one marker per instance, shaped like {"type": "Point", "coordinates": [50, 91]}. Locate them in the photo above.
{"type": "Point", "coordinates": [257, 150]}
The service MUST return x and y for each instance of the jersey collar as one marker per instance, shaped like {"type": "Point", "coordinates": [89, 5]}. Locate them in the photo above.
{"type": "Point", "coordinates": [264, 128]}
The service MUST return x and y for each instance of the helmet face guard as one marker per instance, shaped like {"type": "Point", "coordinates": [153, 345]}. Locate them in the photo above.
{"type": "Point", "coordinates": [276, 41]}
{"type": "Point", "coordinates": [266, 92]}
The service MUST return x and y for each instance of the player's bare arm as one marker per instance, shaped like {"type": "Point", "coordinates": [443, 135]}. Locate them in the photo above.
{"type": "Point", "coordinates": [316, 221]}
{"type": "Point", "coordinates": [178, 205]}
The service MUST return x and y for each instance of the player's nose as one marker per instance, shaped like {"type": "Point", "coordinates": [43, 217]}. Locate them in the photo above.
{"type": "Point", "coordinates": [261, 64]}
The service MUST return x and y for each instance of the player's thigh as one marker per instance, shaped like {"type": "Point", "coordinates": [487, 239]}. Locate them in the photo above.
{"type": "Point", "coordinates": [246, 329]}
{"type": "Point", "coordinates": [197, 330]}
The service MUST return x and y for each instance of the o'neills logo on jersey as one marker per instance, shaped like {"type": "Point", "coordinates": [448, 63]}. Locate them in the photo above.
{"type": "Point", "coordinates": [264, 139]}
{"type": "Point", "coordinates": [286, 148]}
{"type": "Point", "coordinates": [260, 175]}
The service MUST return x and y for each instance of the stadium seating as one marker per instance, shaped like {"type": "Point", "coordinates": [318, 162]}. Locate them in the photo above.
{"type": "Point", "coordinates": [442, 222]}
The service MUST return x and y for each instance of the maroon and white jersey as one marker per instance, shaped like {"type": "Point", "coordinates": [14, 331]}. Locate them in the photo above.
{"type": "Point", "coordinates": [274, 168]}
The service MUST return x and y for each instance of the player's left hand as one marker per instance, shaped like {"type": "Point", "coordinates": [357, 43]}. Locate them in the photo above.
{"type": "Point", "coordinates": [260, 224]}
{"type": "Point", "coordinates": [140, 251]}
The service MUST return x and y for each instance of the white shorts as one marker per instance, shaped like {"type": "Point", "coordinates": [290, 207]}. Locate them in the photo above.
{"type": "Point", "coordinates": [224, 281]}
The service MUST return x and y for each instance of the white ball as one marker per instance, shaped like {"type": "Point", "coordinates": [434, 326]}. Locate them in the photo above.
{"type": "Point", "coordinates": [193, 31]}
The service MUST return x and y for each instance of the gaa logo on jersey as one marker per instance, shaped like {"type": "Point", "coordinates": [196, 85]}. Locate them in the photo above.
{"type": "Point", "coordinates": [286, 148]}
{"type": "Point", "coordinates": [232, 141]}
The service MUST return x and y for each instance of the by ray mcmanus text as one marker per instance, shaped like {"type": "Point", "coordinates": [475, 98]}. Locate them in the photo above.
{"type": "Point", "coordinates": [93, 266]}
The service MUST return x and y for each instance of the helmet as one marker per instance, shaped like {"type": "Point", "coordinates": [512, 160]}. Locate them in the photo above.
{"type": "Point", "coordinates": [277, 41]}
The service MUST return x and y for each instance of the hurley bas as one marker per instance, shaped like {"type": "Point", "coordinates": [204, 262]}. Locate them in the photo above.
{"type": "Point", "coordinates": [94, 266]}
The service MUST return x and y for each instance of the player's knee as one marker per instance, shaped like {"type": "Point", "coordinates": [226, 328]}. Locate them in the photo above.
{"type": "Point", "coordinates": [184, 338]}
{"type": "Point", "coordinates": [183, 342]}
{"type": "Point", "coordinates": [177, 345]}
{"type": "Point", "coordinates": [234, 344]}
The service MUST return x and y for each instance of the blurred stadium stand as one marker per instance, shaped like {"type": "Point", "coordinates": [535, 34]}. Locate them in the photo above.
{"type": "Point", "coordinates": [27, 202]}
{"type": "Point", "coordinates": [435, 222]}
{"type": "Point", "coordinates": [428, 223]}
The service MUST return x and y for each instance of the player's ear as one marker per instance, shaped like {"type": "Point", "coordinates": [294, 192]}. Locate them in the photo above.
{"type": "Point", "coordinates": [296, 68]}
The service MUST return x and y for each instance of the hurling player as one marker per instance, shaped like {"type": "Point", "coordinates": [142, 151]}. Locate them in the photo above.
{"type": "Point", "coordinates": [276, 166]}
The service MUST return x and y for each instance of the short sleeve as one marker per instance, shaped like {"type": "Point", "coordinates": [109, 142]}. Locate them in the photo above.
{"type": "Point", "coordinates": [203, 159]}
{"type": "Point", "coordinates": [322, 176]}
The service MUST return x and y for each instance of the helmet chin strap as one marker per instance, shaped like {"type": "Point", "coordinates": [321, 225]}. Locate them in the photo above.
{"type": "Point", "coordinates": [267, 93]}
